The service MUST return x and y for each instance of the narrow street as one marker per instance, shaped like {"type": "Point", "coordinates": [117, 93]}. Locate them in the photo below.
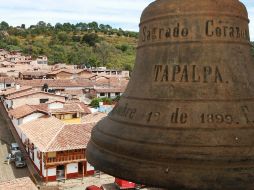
{"type": "Point", "coordinates": [8, 172]}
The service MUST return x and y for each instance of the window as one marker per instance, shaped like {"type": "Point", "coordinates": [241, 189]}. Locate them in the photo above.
{"type": "Point", "coordinates": [117, 93]}
{"type": "Point", "coordinates": [43, 100]}
{"type": "Point", "coordinates": [102, 94]}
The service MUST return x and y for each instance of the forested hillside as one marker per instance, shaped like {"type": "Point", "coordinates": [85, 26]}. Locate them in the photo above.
{"type": "Point", "coordinates": [90, 44]}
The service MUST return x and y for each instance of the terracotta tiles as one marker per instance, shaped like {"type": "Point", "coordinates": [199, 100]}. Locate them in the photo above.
{"type": "Point", "coordinates": [42, 131]}
{"type": "Point", "coordinates": [72, 137]}
{"type": "Point", "coordinates": [50, 134]}
{"type": "Point", "coordinates": [23, 111]}
{"type": "Point", "coordinates": [93, 118]}
{"type": "Point", "coordinates": [28, 93]}
{"type": "Point", "coordinates": [14, 90]}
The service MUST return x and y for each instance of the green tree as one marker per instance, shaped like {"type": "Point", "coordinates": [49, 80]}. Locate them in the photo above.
{"type": "Point", "coordinates": [107, 101]}
{"type": "Point", "coordinates": [67, 27]}
{"type": "Point", "coordinates": [63, 37]}
{"type": "Point", "coordinates": [91, 39]}
{"type": "Point", "coordinates": [93, 25]}
{"type": "Point", "coordinates": [105, 52]}
{"type": "Point", "coordinates": [4, 25]}
{"type": "Point", "coordinates": [58, 26]}
{"type": "Point", "coordinates": [41, 24]}
{"type": "Point", "coordinates": [95, 103]}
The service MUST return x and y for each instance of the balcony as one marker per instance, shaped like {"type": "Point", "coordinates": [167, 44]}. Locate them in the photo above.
{"type": "Point", "coordinates": [65, 159]}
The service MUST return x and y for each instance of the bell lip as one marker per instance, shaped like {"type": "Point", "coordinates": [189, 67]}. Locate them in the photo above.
{"type": "Point", "coordinates": [162, 8]}
{"type": "Point", "coordinates": [152, 175]}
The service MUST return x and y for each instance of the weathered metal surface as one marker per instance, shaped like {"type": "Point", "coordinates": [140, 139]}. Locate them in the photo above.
{"type": "Point", "coordinates": [186, 120]}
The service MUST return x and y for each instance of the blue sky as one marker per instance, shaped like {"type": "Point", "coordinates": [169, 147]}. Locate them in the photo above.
{"type": "Point", "coordinates": [118, 13]}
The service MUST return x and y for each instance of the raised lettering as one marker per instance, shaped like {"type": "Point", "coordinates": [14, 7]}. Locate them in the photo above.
{"type": "Point", "coordinates": [194, 78]}
{"type": "Point", "coordinates": [176, 70]}
{"type": "Point", "coordinates": [207, 73]}
{"type": "Point", "coordinates": [157, 69]}
{"type": "Point", "coordinates": [218, 77]}
{"type": "Point", "coordinates": [165, 74]}
{"type": "Point", "coordinates": [184, 77]}
{"type": "Point", "coordinates": [208, 24]}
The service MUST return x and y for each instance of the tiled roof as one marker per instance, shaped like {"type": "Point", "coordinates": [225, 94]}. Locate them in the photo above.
{"type": "Point", "coordinates": [50, 134]}
{"type": "Point", "coordinates": [28, 93]}
{"type": "Point", "coordinates": [42, 131]}
{"type": "Point", "coordinates": [6, 79]}
{"type": "Point", "coordinates": [84, 107]}
{"type": "Point", "coordinates": [68, 108]}
{"type": "Point", "coordinates": [41, 107]}
{"type": "Point", "coordinates": [72, 137]}
{"type": "Point", "coordinates": [6, 63]}
{"type": "Point", "coordinates": [24, 110]}
{"type": "Point", "coordinates": [88, 76]}
{"type": "Point", "coordinates": [71, 71]}
{"type": "Point", "coordinates": [73, 92]}
{"type": "Point", "coordinates": [24, 183]}
{"type": "Point", "coordinates": [59, 71]}
{"type": "Point", "coordinates": [93, 118]}
{"type": "Point", "coordinates": [56, 83]}
{"type": "Point", "coordinates": [34, 73]}
{"type": "Point", "coordinates": [112, 82]}
{"type": "Point", "coordinates": [13, 90]}
{"type": "Point", "coordinates": [106, 90]}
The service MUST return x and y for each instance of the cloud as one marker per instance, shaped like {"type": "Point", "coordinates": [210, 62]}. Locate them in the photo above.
{"type": "Point", "coordinates": [118, 13]}
{"type": "Point", "coordinates": [123, 13]}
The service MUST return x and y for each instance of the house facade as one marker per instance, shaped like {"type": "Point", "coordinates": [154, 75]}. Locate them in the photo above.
{"type": "Point", "coordinates": [6, 82]}
{"type": "Point", "coordinates": [56, 149]}
{"type": "Point", "coordinates": [33, 97]}
{"type": "Point", "coordinates": [25, 114]}
{"type": "Point", "coordinates": [107, 92]}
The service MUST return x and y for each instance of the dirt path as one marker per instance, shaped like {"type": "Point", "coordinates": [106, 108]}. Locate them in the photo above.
{"type": "Point", "coordinates": [7, 172]}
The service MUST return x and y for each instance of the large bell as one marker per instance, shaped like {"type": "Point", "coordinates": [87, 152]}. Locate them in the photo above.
{"type": "Point", "coordinates": [186, 120]}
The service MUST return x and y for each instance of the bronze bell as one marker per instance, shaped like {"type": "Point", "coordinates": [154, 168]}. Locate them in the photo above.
{"type": "Point", "coordinates": [186, 120]}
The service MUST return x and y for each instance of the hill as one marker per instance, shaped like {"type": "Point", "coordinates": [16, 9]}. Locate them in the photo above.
{"type": "Point", "coordinates": [87, 44]}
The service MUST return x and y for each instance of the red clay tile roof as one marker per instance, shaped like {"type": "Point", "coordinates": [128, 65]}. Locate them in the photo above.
{"type": "Point", "coordinates": [73, 92]}
{"type": "Point", "coordinates": [59, 71]}
{"type": "Point", "coordinates": [25, 110]}
{"type": "Point", "coordinates": [41, 107]}
{"type": "Point", "coordinates": [55, 83]}
{"type": "Point", "coordinates": [70, 71]}
{"type": "Point", "coordinates": [68, 108]}
{"type": "Point", "coordinates": [24, 183]}
{"type": "Point", "coordinates": [7, 79]}
{"type": "Point", "coordinates": [13, 90]}
{"type": "Point", "coordinates": [54, 101]}
{"type": "Point", "coordinates": [93, 118]}
{"type": "Point", "coordinates": [84, 107]}
{"type": "Point", "coordinates": [42, 131]}
{"type": "Point", "coordinates": [71, 137]}
{"type": "Point", "coordinates": [28, 93]}
{"type": "Point", "coordinates": [107, 90]}
{"type": "Point", "coordinates": [34, 73]}
{"type": "Point", "coordinates": [50, 134]}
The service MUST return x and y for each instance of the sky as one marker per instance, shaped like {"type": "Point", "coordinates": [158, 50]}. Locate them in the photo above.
{"type": "Point", "coordinates": [123, 14]}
